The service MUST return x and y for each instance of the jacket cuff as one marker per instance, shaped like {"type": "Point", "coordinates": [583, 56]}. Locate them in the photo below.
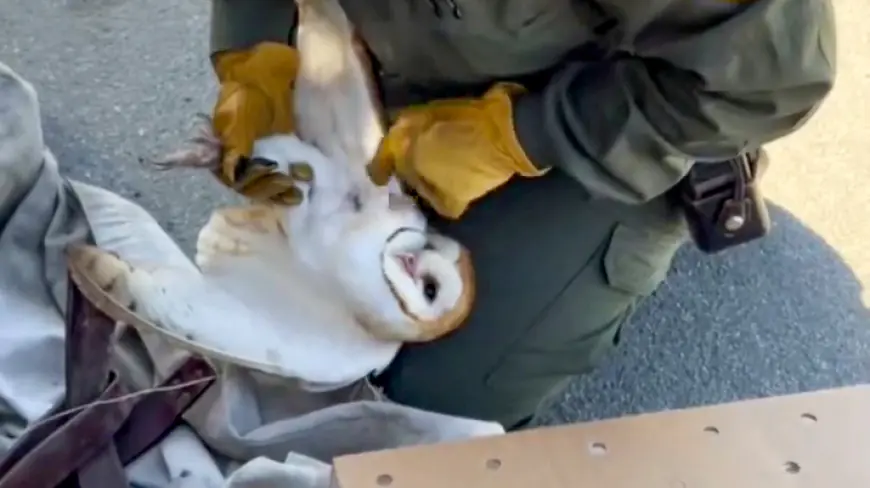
{"type": "Point", "coordinates": [528, 115]}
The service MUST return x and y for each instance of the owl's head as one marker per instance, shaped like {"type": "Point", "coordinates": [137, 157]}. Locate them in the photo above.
{"type": "Point", "coordinates": [405, 282]}
{"type": "Point", "coordinates": [431, 278]}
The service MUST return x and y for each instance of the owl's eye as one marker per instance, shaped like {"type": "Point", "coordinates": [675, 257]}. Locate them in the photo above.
{"type": "Point", "coordinates": [428, 246]}
{"type": "Point", "coordinates": [430, 288]}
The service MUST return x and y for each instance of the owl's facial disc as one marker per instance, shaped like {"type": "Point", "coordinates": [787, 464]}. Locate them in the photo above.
{"type": "Point", "coordinates": [410, 263]}
{"type": "Point", "coordinates": [422, 270]}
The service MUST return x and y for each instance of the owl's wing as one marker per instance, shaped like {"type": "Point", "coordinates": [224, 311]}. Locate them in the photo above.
{"type": "Point", "coordinates": [173, 303]}
{"type": "Point", "coordinates": [335, 103]}
{"type": "Point", "coordinates": [194, 313]}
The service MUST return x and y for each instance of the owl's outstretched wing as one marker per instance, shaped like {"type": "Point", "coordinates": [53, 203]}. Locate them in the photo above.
{"type": "Point", "coordinates": [176, 304]}
{"type": "Point", "coordinates": [193, 312]}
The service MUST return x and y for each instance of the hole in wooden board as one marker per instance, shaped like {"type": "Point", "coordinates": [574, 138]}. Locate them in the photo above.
{"type": "Point", "coordinates": [711, 430]}
{"type": "Point", "coordinates": [598, 448]}
{"type": "Point", "coordinates": [809, 418]}
{"type": "Point", "coordinates": [792, 467]}
{"type": "Point", "coordinates": [493, 464]}
{"type": "Point", "coordinates": [385, 480]}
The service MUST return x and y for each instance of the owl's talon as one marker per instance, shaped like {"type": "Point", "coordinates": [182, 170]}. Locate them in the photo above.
{"type": "Point", "coordinates": [246, 169]}
{"type": "Point", "coordinates": [240, 169]}
{"type": "Point", "coordinates": [265, 163]}
{"type": "Point", "coordinates": [301, 171]}
{"type": "Point", "coordinates": [292, 197]}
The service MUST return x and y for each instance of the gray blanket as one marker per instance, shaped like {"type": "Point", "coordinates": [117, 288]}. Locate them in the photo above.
{"type": "Point", "coordinates": [247, 430]}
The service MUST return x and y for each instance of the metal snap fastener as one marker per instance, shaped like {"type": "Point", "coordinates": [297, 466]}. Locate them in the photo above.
{"type": "Point", "coordinates": [734, 222]}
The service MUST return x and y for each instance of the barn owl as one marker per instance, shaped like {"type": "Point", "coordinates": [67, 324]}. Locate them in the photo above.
{"type": "Point", "coordinates": [353, 270]}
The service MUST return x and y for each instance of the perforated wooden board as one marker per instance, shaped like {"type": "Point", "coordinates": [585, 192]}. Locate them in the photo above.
{"type": "Point", "coordinates": [819, 439]}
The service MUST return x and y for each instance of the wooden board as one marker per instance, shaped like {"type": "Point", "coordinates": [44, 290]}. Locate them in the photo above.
{"type": "Point", "coordinates": [818, 439]}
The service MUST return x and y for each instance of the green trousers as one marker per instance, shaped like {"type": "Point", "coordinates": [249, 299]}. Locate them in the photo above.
{"type": "Point", "coordinates": [558, 274]}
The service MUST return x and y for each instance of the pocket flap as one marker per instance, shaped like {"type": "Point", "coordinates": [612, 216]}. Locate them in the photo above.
{"type": "Point", "coordinates": [638, 259]}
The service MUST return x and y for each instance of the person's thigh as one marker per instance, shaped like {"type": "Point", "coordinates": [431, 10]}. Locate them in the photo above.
{"type": "Point", "coordinates": [21, 145]}
{"type": "Point", "coordinates": [557, 275]}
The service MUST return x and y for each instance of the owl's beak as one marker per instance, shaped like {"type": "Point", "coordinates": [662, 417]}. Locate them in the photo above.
{"type": "Point", "coordinates": [409, 263]}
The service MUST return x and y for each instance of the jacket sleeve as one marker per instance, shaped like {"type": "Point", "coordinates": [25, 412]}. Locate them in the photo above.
{"type": "Point", "coordinates": [240, 24]}
{"type": "Point", "coordinates": [630, 127]}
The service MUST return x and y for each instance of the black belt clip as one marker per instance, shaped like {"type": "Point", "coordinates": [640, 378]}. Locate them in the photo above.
{"type": "Point", "coordinates": [722, 202]}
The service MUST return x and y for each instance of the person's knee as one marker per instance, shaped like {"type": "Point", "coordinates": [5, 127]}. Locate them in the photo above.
{"type": "Point", "coordinates": [506, 377]}
{"type": "Point", "coordinates": [555, 295]}
{"type": "Point", "coordinates": [21, 144]}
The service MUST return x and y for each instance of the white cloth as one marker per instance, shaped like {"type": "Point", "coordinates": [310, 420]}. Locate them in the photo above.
{"type": "Point", "coordinates": [248, 430]}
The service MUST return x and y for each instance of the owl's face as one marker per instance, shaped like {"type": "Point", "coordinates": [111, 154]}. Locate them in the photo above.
{"type": "Point", "coordinates": [425, 273]}
{"type": "Point", "coordinates": [406, 282]}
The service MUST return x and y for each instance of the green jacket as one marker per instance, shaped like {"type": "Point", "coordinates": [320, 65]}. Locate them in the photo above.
{"type": "Point", "coordinates": [624, 96]}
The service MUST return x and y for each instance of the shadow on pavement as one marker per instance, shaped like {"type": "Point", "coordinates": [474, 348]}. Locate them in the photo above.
{"type": "Point", "coordinates": [779, 316]}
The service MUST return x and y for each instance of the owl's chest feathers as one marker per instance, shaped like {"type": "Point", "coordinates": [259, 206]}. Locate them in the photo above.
{"type": "Point", "coordinates": [249, 253]}
{"type": "Point", "coordinates": [283, 237]}
{"type": "Point", "coordinates": [338, 199]}
{"type": "Point", "coordinates": [235, 232]}
{"type": "Point", "coordinates": [327, 201]}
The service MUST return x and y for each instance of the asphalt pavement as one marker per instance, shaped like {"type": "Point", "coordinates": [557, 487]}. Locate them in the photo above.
{"type": "Point", "coordinates": [120, 80]}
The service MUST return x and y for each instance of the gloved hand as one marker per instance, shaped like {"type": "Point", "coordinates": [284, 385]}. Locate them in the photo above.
{"type": "Point", "coordinates": [452, 152]}
{"type": "Point", "coordinates": [256, 100]}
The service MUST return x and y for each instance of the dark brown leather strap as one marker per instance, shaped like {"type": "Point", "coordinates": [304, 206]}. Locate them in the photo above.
{"type": "Point", "coordinates": [156, 414]}
{"type": "Point", "coordinates": [88, 349]}
{"type": "Point", "coordinates": [88, 342]}
{"type": "Point", "coordinates": [88, 448]}
{"type": "Point", "coordinates": [79, 439]}
{"type": "Point", "coordinates": [28, 441]}
{"type": "Point", "coordinates": [136, 424]}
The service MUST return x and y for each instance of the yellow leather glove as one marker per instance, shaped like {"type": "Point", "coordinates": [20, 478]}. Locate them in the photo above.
{"type": "Point", "coordinates": [452, 152]}
{"type": "Point", "coordinates": [256, 100]}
